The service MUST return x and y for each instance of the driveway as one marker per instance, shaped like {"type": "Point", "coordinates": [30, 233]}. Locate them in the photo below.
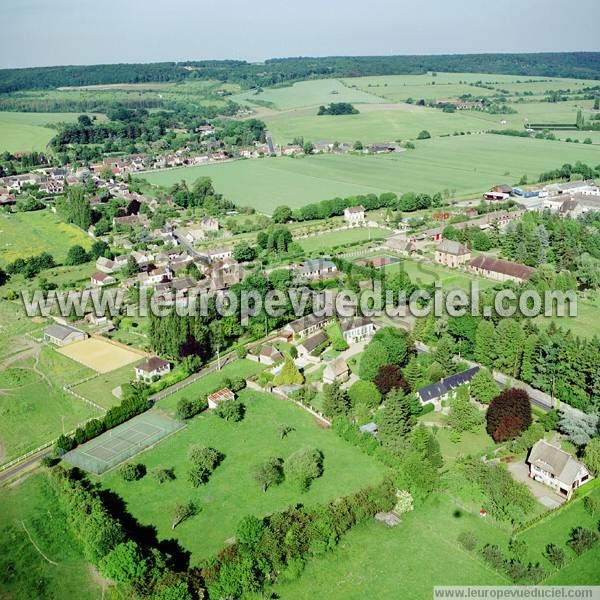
{"type": "Point", "coordinates": [545, 496]}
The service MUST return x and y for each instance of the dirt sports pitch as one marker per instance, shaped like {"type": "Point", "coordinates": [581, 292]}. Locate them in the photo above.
{"type": "Point", "coordinates": [101, 355]}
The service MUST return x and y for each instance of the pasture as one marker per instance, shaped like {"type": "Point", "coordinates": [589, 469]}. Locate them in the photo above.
{"type": "Point", "coordinates": [305, 93]}
{"type": "Point", "coordinates": [101, 355]}
{"type": "Point", "coordinates": [99, 389]}
{"type": "Point", "coordinates": [326, 242]}
{"type": "Point", "coordinates": [26, 132]}
{"type": "Point", "coordinates": [31, 509]}
{"type": "Point", "coordinates": [465, 164]}
{"type": "Point", "coordinates": [33, 406]}
{"type": "Point", "coordinates": [29, 233]}
{"type": "Point", "coordinates": [231, 493]}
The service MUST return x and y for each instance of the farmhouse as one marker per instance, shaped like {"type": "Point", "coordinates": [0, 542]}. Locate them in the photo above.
{"type": "Point", "coordinates": [570, 208]}
{"type": "Point", "coordinates": [335, 371]}
{"type": "Point", "coordinates": [452, 253]}
{"type": "Point", "coordinates": [151, 368]}
{"type": "Point", "coordinates": [305, 326]}
{"type": "Point", "coordinates": [313, 269]}
{"type": "Point", "coordinates": [354, 215]}
{"type": "Point", "coordinates": [357, 329]}
{"type": "Point", "coordinates": [223, 395]}
{"type": "Point", "coordinates": [399, 243]}
{"type": "Point", "coordinates": [436, 392]}
{"type": "Point", "coordinates": [101, 279]}
{"type": "Point", "coordinates": [310, 344]}
{"type": "Point", "coordinates": [556, 468]}
{"type": "Point", "coordinates": [61, 335]}
{"type": "Point", "coordinates": [500, 270]}
{"type": "Point", "coordinates": [220, 253]}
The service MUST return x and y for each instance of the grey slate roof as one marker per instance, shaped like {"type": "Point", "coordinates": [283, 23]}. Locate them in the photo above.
{"type": "Point", "coordinates": [441, 388]}
{"type": "Point", "coordinates": [556, 461]}
{"type": "Point", "coordinates": [452, 247]}
{"type": "Point", "coordinates": [314, 341]}
{"type": "Point", "coordinates": [60, 332]}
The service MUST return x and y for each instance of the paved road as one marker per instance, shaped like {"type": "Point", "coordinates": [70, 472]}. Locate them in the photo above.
{"type": "Point", "coordinates": [22, 466]}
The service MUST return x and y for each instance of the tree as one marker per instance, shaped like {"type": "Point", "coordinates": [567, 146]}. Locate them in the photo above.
{"type": "Point", "coordinates": [269, 473]}
{"type": "Point", "coordinates": [304, 466]}
{"type": "Point", "coordinates": [289, 374]}
{"type": "Point", "coordinates": [423, 135]}
{"type": "Point", "coordinates": [396, 343]}
{"type": "Point", "coordinates": [3, 277]}
{"type": "Point", "coordinates": [395, 421]}
{"type": "Point", "coordinates": [591, 456]}
{"type": "Point", "coordinates": [508, 414]}
{"type": "Point", "coordinates": [372, 359]}
{"type": "Point", "coordinates": [76, 256]}
{"type": "Point", "coordinates": [578, 426]}
{"type": "Point", "coordinates": [131, 267]}
{"type": "Point", "coordinates": [231, 410]}
{"type": "Point", "coordinates": [444, 354]}
{"type": "Point", "coordinates": [358, 145]}
{"type": "Point", "coordinates": [508, 340]}
{"type": "Point", "coordinates": [388, 378]}
{"type": "Point", "coordinates": [484, 350]}
{"type": "Point", "coordinates": [181, 512]}
{"type": "Point", "coordinates": [249, 532]}
{"type": "Point", "coordinates": [463, 415]}
{"type": "Point", "coordinates": [582, 539]}
{"type": "Point", "coordinates": [124, 563]}
{"type": "Point", "coordinates": [243, 252]}
{"type": "Point", "coordinates": [335, 400]}
{"type": "Point", "coordinates": [364, 392]}
{"type": "Point", "coordinates": [132, 472]}
{"type": "Point", "coordinates": [283, 430]}
{"type": "Point", "coordinates": [308, 147]}
{"type": "Point", "coordinates": [282, 214]}
{"type": "Point", "coordinates": [483, 387]}
{"type": "Point", "coordinates": [100, 248]}
{"type": "Point", "coordinates": [555, 554]}
{"type": "Point", "coordinates": [591, 505]}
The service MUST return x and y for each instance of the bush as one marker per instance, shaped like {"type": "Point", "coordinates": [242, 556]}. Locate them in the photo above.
{"type": "Point", "coordinates": [132, 472]}
{"type": "Point", "coordinates": [591, 505]}
{"type": "Point", "coordinates": [364, 392]}
{"type": "Point", "coordinates": [467, 540]}
{"type": "Point", "coordinates": [304, 466]}
{"type": "Point", "coordinates": [162, 475]}
{"type": "Point", "coordinates": [423, 135]}
{"type": "Point", "coordinates": [582, 539]}
{"type": "Point", "coordinates": [555, 555]}
{"type": "Point", "coordinates": [231, 410]}
{"type": "Point", "coordinates": [186, 409]}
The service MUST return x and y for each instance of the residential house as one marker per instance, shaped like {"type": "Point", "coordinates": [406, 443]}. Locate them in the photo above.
{"type": "Point", "coordinates": [101, 279]}
{"type": "Point", "coordinates": [305, 326]}
{"type": "Point", "coordinates": [556, 468]}
{"type": "Point", "coordinates": [336, 370]}
{"type": "Point", "coordinates": [205, 130]}
{"type": "Point", "coordinates": [105, 265]}
{"type": "Point", "coordinates": [221, 253]}
{"type": "Point", "coordinates": [452, 253]}
{"type": "Point", "coordinates": [316, 269]}
{"type": "Point", "coordinates": [500, 270]}
{"type": "Point", "coordinates": [310, 344]}
{"type": "Point", "coordinates": [152, 368]}
{"type": "Point", "coordinates": [223, 395]}
{"type": "Point", "coordinates": [354, 215]}
{"type": "Point", "coordinates": [182, 285]}
{"type": "Point", "coordinates": [570, 208]}
{"type": "Point", "coordinates": [269, 355]}
{"type": "Point", "coordinates": [61, 335]}
{"type": "Point", "coordinates": [436, 392]}
{"type": "Point", "coordinates": [401, 245]}
{"type": "Point", "coordinates": [357, 329]}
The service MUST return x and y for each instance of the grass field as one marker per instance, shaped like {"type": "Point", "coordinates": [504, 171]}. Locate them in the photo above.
{"type": "Point", "coordinates": [231, 493]}
{"type": "Point", "coordinates": [101, 355]}
{"type": "Point", "coordinates": [468, 164]}
{"type": "Point", "coordinates": [24, 573]}
{"type": "Point", "coordinates": [99, 389]}
{"type": "Point", "coordinates": [21, 132]}
{"type": "Point", "coordinates": [327, 241]}
{"type": "Point", "coordinates": [33, 406]}
{"type": "Point", "coordinates": [29, 233]}
{"type": "Point", "coordinates": [306, 93]}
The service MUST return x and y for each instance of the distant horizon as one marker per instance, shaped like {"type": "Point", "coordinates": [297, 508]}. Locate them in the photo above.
{"type": "Point", "coordinates": [291, 57]}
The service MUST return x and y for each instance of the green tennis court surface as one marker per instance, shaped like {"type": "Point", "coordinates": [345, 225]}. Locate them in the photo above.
{"type": "Point", "coordinates": [122, 442]}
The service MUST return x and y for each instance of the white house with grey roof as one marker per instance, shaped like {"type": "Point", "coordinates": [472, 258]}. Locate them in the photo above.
{"type": "Point", "coordinates": [61, 335]}
{"type": "Point", "coordinates": [452, 253]}
{"type": "Point", "coordinates": [436, 392]}
{"type": "Point", "coordinates": [556, 468]}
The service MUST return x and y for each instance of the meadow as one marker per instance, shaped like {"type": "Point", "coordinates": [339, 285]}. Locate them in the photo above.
{"type": "Point", "coordinates": [325, 242]}
{"type": "Point", "coordinates": [466, 165]}
{"type": "Point", "coordinates": [231, 493]}
{"type": "Point", "coordinates": [24, 572]}
{"type": "Point", "coordinates": [29, 233]}
{"type": "Point", "coordinates": [26, 132]}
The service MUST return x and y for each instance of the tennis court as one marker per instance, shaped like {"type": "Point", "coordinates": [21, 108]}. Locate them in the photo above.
{"type": "Point", "coordinates": [122, 442]}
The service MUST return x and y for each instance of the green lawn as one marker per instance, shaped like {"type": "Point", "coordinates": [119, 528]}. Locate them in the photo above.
{"type": "Point", "coordinates": [231, 492]}
{"type": "Point", "coordinates": [33, 404]}
{"type": "Point", "coordinates": [20, 132]}
{"type": "Point", "coordinates": [209, 383]}
{"type": "Point", "coordinates": [24, 573]}
{"type": "Point", "coordinates": [26, 234]}
{"type": "Point", "coordinates": [99, 389]}
{"type": "Point", "coordinates": [585, 324]}
{"type": "Point", "coordinates": [375, 561]}
{"type": "Point", "coordinates": [471, 443]}
{"type": "Point", "coordinates": [466, 164]}
{"type": "Point", "coordinates": [326, 241]}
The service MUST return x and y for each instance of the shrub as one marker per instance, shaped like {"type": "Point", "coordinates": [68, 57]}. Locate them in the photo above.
{"type": "Point", "coordinates": [304, 466]}
{"type": "Point", "coordinates": [423, 135]}
{"type": "Point", "coordinates": [364, 392]}
{"type": "Point", "coordinates": [467, 540]}
{"type": "Point", "coordinates": [591, 505]}
{"type": "Point", "coordinates": [186, 409]}
{"type": "Point", "coordinates": [162, 475]}
{"type": "Point", "coordinates": [231, 410]}
{"type": "Point", "coordinates": [555, 555]}
{"type": "Point", "coordinates": [582, 539]}
{"type": "Point", "coordinates": [132, 471]}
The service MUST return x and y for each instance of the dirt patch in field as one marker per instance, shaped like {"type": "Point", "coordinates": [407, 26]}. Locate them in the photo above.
{"type": "Point", "coordinates": [100, 355]}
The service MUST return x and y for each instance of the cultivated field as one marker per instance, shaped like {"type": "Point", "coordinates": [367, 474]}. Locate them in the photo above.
{"type": "Point", "coordinates": [231, 492]}
{"type": "Point", "coordinates": [101, 355]}
{"type": "Point", "coordinates": [466, 164]}
{"type": "Point", "coordinates": [29, 233]}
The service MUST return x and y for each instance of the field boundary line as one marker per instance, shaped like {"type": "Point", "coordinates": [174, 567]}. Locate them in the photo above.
{"type": "Point", "coordinates": [36, 546]}
{"type": "Point", "coordinates": [137, 351]}
{"type": "Point", "coordinates": [83, 398]}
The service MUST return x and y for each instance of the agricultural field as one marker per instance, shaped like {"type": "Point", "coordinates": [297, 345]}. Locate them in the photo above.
{"type": "Point", "coordinates": [305, 93]}
{"type": "Point", "coordinates": [29, 233]}
{"type": "Point", "coordinates": [465, 164]}
{"type": "Point", "coordinates": [327, 241]}
{"type": "Point", "coordinates": [26, 132]}
{"type": "Point", "coordinates": [33, 405]}
{"type": "Point", "coordinates": [231, 493]}
{"type": "Point", "coordinates": [30, 517]}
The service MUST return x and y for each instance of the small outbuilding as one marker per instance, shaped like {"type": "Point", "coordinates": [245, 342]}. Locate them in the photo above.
{"type": "Point", "coordinates": [222, 395]}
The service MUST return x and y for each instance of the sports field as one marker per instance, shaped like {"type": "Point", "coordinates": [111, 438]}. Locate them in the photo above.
{"type": "Point", "coordinates": [122, 442]}
{"type": "Point", "coordinates": [231, 493]}
{"type": "Point", "coordinates": [100, 355]}
{"type": "Point", "coordinates": [21, 132]}
{"type": "Point", "coordinates": [468, 164]}
{"type": "Point", "coordinates": [28, 233]}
